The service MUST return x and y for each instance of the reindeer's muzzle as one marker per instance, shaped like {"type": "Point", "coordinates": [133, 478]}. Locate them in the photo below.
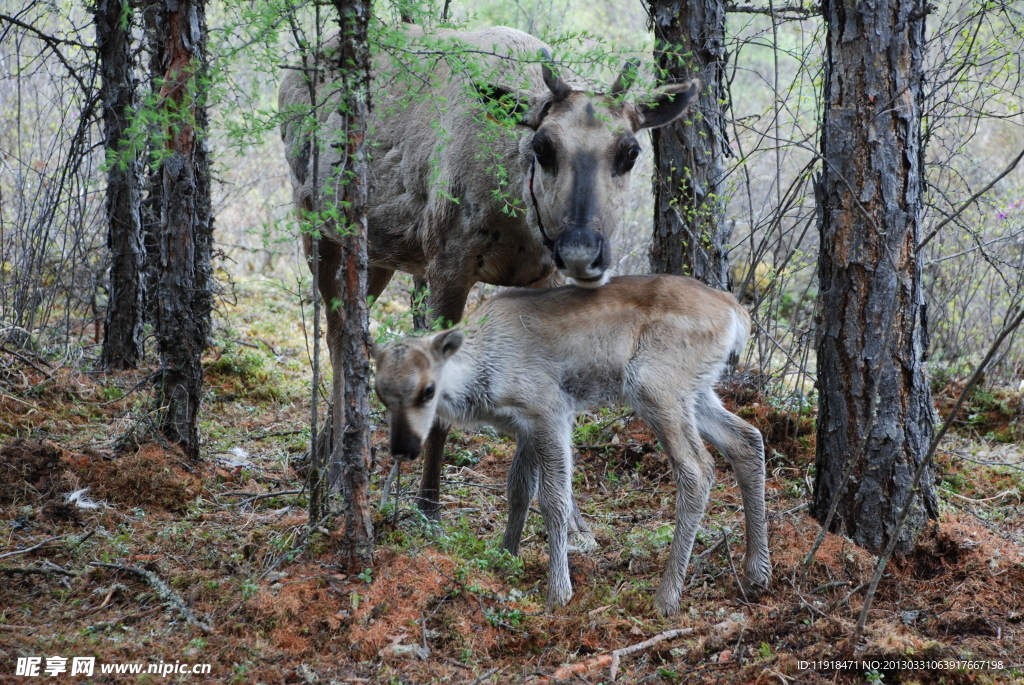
{"type": "Point", "coordinates": [405, 444]}
{"type": "Point", "coordinates": [583, 255]}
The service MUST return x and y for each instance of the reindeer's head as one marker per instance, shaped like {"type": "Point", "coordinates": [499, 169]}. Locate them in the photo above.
{"type": "Point", "coordinates": [410, 382]}
{"type": "Point", "coordinates": [580, 155]}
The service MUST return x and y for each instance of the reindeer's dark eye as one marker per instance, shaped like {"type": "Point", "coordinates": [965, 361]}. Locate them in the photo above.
{"type": "Point", "coordinates": [625, 158]}
{"type": "Point", "coordinates": [544, 150]}
{"type": "Point", "coordinates": [427, 394]}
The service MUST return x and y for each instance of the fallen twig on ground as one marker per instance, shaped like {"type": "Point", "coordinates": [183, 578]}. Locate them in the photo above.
{"type": "Point", "coordinates": [165, 592]}
{"type": "Point", "coordinates": [485, 676]}
{"type": "Point", "coordinates": [266, 495]}
{"type": "Point", "coordinates": [26, 360]}
{"type": "Point", "coordinates": [612, 658]}
{"type": "Point", "coordinates": [32, 548]}
{"type": "Point", "coordinates": [49, 569]}
{"type": "Point", "coordinates": [127, 619]}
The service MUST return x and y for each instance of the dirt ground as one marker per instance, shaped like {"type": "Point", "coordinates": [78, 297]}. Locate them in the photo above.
{"type": "Point", "coordinates": [243, 589]}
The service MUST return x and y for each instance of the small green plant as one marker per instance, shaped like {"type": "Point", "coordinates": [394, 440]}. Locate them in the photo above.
{"type": "Point", "coordinates": [873, 676]}
{"type": "Point", "coordinates": [366, 576]}
{"type": "Point", "coordinates": [506, 617]}
{"type": "Point", "coordinates": [465, 458]}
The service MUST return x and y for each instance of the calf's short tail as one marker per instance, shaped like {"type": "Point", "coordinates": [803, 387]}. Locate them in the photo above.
{"type": "Point", "coordinates": [739, 335]}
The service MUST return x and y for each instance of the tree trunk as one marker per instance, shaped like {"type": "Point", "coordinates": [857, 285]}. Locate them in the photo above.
{"type": "Point", "coordinates": [183, 280]}
{"type": "Point", "coordinates": [152, 202]}
{"type": "Point", "coordinates": [870, 320]}
{"type": "Point", "coordinates": [122, 334]}
{"type": "Point", "coordinates": [351, 416]}
{"type": "Point", "coordinates": [690, 235]}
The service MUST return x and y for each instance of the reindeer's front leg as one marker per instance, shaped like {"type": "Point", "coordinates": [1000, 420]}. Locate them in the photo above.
{"type": "Point", "coordinates": [556, 503]}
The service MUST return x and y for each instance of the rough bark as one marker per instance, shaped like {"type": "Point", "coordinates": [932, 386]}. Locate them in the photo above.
{"type": "Point", "coordinates": [690, 233]}
{"type": "Point", "coordinates": [152, 204]}
{"type": "Point", "coordinates": [122, 334]}
{"type": "Point", "coordinates": [869, 205]}
{"type": "Point", "coordinates": [351, 411]}
{"type": "Point", "coordinates": [183, 279]}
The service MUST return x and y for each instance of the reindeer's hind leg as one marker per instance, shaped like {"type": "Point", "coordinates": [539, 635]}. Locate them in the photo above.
{"type": "Point", "coordinates": [523, 476]}
{"type": "Point", "coordinates": [377, 279]}
{"type": "Point", "coordinates": [741, 445]}
{"type": "Point", "coordinates": [694, 473]}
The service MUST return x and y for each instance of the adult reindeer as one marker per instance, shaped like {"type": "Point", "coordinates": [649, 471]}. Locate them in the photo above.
{"type": "Point", "coordinates": [438, 174]}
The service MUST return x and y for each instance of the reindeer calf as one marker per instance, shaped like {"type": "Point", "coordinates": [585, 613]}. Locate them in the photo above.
{"type": "Point", "coordinates": [539, 357]}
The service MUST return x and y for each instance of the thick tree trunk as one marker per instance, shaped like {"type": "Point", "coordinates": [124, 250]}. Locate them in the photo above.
{"type": "Point", "coordinates": [689, 196]}
{"type": "Point", "coordinates": [152, 203]}
{"type": "Point", "coordinates": [183, 279]}
{"type": "Point", "coordinates": [351, 411]}
{"type": "Point", "coordinates": [869, 204]}
{"type": "Point", "coordinates": [122, 335]}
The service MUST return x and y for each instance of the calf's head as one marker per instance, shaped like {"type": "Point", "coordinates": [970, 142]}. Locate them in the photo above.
{"type": "Point", "coordinates": [410, 382]}
{"type": "Point", "coordinates": [581, 153]}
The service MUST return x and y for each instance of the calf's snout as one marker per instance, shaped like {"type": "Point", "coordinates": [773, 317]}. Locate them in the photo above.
{"type": "Point", "coordinates": [405, 445]}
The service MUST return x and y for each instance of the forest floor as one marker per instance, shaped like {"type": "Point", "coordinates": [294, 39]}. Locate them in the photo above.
{"type": "Point", "coordinates": [442, 603]}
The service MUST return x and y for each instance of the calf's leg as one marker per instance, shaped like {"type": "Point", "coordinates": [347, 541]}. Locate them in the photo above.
{"type": "Point", "coordinates": [523, 475]}
{"type": "Point", "coordinates": [741, 445]}
{"type": "Point", "coordinates": [522, 487]}
{"type": "Point", "coordinates": [694, 473]}
{"type": "Point", "coordinates": [555, 497]}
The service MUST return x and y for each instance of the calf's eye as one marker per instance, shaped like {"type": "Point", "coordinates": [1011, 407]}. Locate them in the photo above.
{"type": "Point", "coordinates": [427, 394]}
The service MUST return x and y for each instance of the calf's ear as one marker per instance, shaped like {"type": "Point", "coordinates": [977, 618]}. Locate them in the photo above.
{"type": "Point", "coordinates": [669, 104]}
{"type": "Point", "coordinates": [447, 343]}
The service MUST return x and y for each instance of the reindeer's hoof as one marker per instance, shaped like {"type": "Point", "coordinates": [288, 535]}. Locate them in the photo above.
{"type": "Point", "coordinates": [557, 597]}
{"type": "Point", "coordinates": [752, 590]}
{"type": "Point", "coordinates": [582, 541]}
{"type": "Point", "coordinates": [754, 582]}
{"type": "Point", "coordinates": [667, 606]}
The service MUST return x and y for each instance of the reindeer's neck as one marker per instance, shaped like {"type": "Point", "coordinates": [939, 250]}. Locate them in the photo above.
{"type": "Point", "coordinates": [465, 388]}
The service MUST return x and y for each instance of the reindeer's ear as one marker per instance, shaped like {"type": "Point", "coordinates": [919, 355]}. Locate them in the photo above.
{"type": "Point", "coordinates": [445, 344]}
{"type": "Point", "coordinates": [669, 104]}
{"type": "Point", "coordinates": [374, 350]}
{"type": "Point", "coordinates": [625, 78]}
{"type": "Point", "coordinates": [560, 90]}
